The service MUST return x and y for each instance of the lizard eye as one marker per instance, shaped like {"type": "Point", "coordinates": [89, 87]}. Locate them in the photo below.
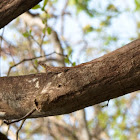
{"type": "Point", "coordinates": [59, 85]}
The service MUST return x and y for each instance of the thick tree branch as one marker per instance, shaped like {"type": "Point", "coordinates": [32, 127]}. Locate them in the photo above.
{"type": "Point", "coordinates": [10, 9]}
{"type": "Point", "coordinates": [64, 90]}
{"type": "Point", "coordinates": [3, 137]}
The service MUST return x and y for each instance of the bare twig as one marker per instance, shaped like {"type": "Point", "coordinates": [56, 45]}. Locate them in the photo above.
{"type": "Point", "coordinates": [62, 17]}
{"type": "Point", "coordinates": [19, 128]}
{"type": "Point", "coordinates": [22, 118]}
{"type": "Point", "coordinates": [41, 43]}
{"type": "Point", "coordinates": [30, 59]}
{"type": "Point", "coordinates": [35, 40]}
{"type": "Point", "coordinates": [7, 130]}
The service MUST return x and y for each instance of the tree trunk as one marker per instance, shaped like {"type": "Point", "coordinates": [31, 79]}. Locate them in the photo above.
{"type": "Point", "coordinates": [64, 90]}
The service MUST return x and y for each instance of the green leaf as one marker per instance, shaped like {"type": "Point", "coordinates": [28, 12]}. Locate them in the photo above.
{"type": "Point", "coordinates": [88, 29]}
{"type": "Point", "coordinates": [72, 2]}
{"type": "Point", "coordinates": [69, 50]}
{"type": "Point", "coordinates": [137, 2]}
{"type": "Point", "coordinates": [36, 62]}
{"type": "Point", "coordinates": [44, 30]}
{"type": "Point", "coordinates": [112, 7]}
{"type": "Point", "coordinates": [11, 63]}
{"type": "Point", "coordinates": [36, 7]}
{"type": "Point", "coordinates": [27, 34]}
{"type": "Point", "coordinates": [44, 20]}
{"type": "Point", "coordinates": [44, 4]}
{"type": "Point", "coordinates": [73, 64]}
{"type": "Point", "coordinates": [67, 60]}
{"type": "Point", "coordinates": [49, 30]}
{"type": "Point", "coordinates": [45, 42]}
{"type": "Point", "coordinates": [4, 57]}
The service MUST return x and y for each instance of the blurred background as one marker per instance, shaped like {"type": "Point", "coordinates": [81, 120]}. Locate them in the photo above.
{"type": "Point", "coordinates": [67, 33]}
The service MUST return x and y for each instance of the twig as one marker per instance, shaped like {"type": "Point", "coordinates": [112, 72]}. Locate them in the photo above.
{"type": "Point", "coordinates": [30, 59]}
{"type": "Point", "coordinates": [7, 130]}
{"type": "Point", "coordinates": [41, 43]}
{"type": "Point", "coordinates": [22, 118]}
{"type": "Point", "coordinates": [106, 104]}
{"type": "Point", "coordinates": [62, 17]}
{"type": "Point", "coordinates": [19, 128]}
{"type": "Point", "coordinates": [35, 40]}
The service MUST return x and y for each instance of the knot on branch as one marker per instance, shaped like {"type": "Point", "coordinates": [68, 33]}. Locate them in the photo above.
{"type": "Point", "coordinates": [41, 102]}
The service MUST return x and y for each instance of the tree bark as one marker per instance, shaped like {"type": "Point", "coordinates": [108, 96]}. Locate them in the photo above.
{"type": "Point", "coordinates": [3, 137]}
{"type": "Point", "coordinates": [10, 9]}
{"type": "Point", "coordinates": [64, 90]}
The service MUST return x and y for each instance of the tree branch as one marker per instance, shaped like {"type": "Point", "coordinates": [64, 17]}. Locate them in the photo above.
{"type": "Point", "coordinates": [72, 88]}
{"type": "Point", "coordinates": [3, 137]}
{"type": "Point", "coordinates": [11, 9]}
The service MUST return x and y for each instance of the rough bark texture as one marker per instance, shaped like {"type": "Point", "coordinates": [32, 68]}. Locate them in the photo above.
{"type": "Point", "coordinates": [10, 9]}
{"type": "Point", "coordinates": [64, 90]}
